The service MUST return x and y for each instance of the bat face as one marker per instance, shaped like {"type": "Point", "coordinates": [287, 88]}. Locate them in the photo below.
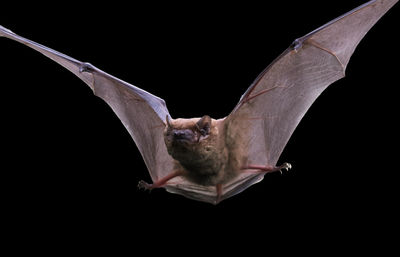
{"type": "Point", "coordinates": [186, 137]}
{"type": "Point", "coordinates": [197, 147]}
{"type": "Point", "coordinates": [187, 133]}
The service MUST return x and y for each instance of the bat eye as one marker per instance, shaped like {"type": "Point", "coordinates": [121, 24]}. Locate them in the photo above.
{"type": "Point", "coordinates": [204, 125]}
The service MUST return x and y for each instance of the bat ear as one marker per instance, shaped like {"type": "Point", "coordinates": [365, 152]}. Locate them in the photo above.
{"type": "Point", "coordinates": [204, 125]}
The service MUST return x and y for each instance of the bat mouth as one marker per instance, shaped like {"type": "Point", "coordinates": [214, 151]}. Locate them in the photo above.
{"type": "Point", "coordinates": [183, 142]}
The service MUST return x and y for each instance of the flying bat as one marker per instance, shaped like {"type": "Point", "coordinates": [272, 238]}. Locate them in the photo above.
{"type": "Point", "coordinates": [210, 159]}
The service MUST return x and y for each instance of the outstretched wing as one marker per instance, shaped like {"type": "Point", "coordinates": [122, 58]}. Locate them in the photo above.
{"type": "Point", "coordinates": [142, 113]}
{"type": "Point", "coordinates": [274, 104]}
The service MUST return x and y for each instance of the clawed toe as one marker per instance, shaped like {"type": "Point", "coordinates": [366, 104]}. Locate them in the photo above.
{"type": "Point", "coordinates": [286, 166]}
{"type": "Point", "coordinates": [267, 169]}
{"type": "Point", "coordinates": [144, 185]}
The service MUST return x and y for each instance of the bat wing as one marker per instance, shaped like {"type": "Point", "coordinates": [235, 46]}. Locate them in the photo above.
{"type": "Point", "coordinates": [269, 111]}
{"type": "Point", "coordinates": [142, 113]}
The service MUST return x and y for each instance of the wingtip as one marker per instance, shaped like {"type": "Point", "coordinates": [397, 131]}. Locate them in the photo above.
{"type": "Point", "coordinates": [4, 31]}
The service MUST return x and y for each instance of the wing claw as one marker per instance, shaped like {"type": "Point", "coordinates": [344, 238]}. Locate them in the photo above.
{"type": "Point", "coordinates": [86, 67]}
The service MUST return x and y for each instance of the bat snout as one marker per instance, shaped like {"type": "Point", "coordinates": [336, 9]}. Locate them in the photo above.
{"type": "Point", "coordinates": [185, 135]}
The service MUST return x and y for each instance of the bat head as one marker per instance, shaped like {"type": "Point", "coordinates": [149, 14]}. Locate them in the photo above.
{"type": "Point", "coordinates": [185, 138]}
{"type": "Point", "coordinates": [187, 132]}
{"type": "Point", "coordinates": [198, 147]}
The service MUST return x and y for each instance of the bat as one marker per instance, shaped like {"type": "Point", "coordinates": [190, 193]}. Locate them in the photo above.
{"type": "Point", "coordinates": [209, 159]}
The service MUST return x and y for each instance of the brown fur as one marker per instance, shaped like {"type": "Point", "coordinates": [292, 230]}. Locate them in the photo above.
{"type": "Point", "coordinates": [206, 162]}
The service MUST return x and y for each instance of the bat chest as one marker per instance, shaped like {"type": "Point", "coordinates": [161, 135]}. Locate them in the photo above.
{"type": "Point", "coordinates": [204, 166]}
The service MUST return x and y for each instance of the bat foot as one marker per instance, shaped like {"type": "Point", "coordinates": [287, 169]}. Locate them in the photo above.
{"type": "Point", "coordinates": [267, 168]}
{"type": "Point", "coordinates": [145, 186]}
{"type": "Point", "coordinates": [159, 183]}
{"type": "Point", "coordinates": [286, 166]}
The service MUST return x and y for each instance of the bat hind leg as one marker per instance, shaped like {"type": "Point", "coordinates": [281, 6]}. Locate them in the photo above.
{"type": "Point", "coordinates": [159, 183]}
{"type": "Point", "coordinates": [268, 168]}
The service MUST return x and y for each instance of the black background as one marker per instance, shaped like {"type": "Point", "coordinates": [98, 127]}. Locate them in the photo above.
{"type": "Point", "coordinates": [71, 169]}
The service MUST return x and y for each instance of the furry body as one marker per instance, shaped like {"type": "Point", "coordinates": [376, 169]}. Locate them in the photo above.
{"type": "Point", "coordinates": [209, 161]}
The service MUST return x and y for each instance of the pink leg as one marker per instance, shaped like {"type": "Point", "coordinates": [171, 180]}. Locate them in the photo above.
{"type": "Point", "coordinates": [268, 168]}
{"type": "Point", "coordinates": [161, 182]}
